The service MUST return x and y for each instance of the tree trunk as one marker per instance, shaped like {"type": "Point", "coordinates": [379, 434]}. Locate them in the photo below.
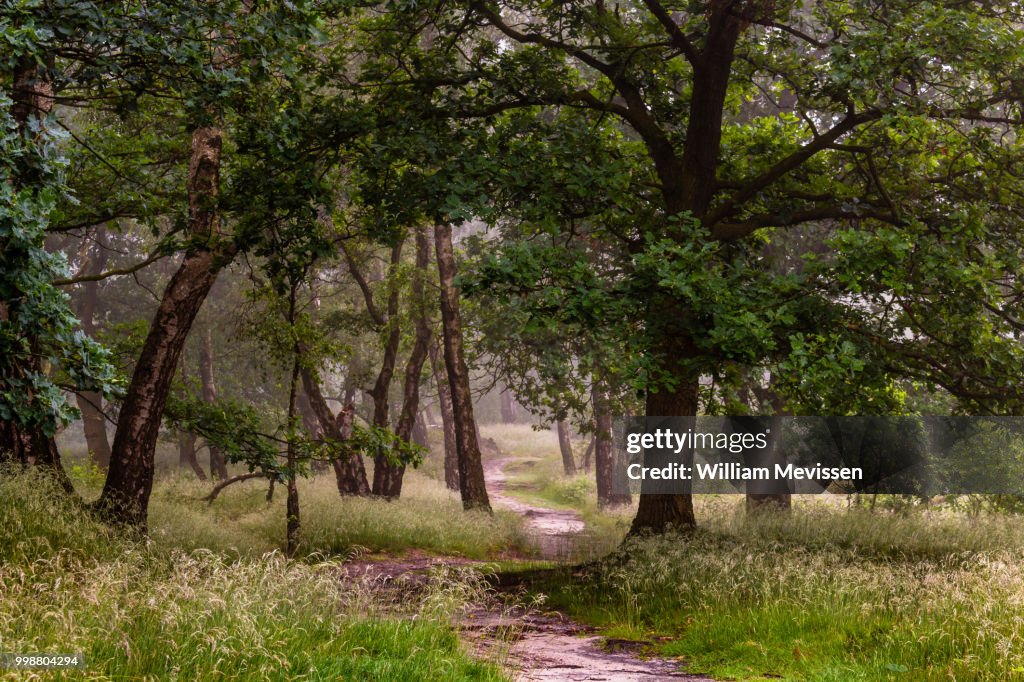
{"type": "Point", "coordinates": [218, 466]}
{"type": "Point", "coordinates": [379, 392]}
{"type": "Point", "coordinates": [90, 403]}
{"type": "Point", "coordinates": [604, 460]}
{"type": "Point", "coordinates": [294, 522]}
{"type": "Point", "coordinates": [471, 471]}
{"type": "Point", "coordinates": [444, 399]}
{"type": "Point", "coordinates": [588, 456]}
{"type": "Point", "coordinates": [419, 431]}
{"type": "Point", "coordinates": [565, 447]}
{"type": "Point", "coordinates": [392, 473]}
{"type": "Point", "coordinates": [187, 454]}
{"type": "Point", "coordinates": [312, 428]}
{"type": "Point", "coordinates": [659, 512]}
{"type": "Point", "coordinates": [508, 407]}
{"type": "Point", "coordinates": [32, 95]}
{"type": "Point", "coordinates": [125, 497]}
{"type": "Point", "coordinates": [349, 471]}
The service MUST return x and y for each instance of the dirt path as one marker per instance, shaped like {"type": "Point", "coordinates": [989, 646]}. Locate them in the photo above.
{"type": "Point", "coordinates": [534, 647]}
{"type": "Point", "coordinates": [543, 648]}
{"type": "Point", "coordinates": [551, 531]}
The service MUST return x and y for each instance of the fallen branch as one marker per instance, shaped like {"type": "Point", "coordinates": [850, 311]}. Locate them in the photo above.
{"type": "Point", "coordinates": [225, 483]}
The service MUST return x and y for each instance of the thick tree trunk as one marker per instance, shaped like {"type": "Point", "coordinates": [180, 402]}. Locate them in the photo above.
{"type": "Point", "coordinates": [388, 475]}
{"type": "Point", "coordinates": [659, 512]}
{"type": "Point", "coordinates": [32, 95]}
{"type": "Point", "coordinates": [444, 399]}
{"type": "Point", "coordinates": [349, 471]}
{"type": "Point", "coordinates": [218, 466]}
{"type": "Point", "coordinates": [125, 497]}
{"type": "Point", "coordinates": [604, 460]}
{"type": "Point", "coordinates": [471, 471]}
{"type": "Point", "coordinates": [90, 403]}
{"type": "Point", "coordinates": [565, 447]}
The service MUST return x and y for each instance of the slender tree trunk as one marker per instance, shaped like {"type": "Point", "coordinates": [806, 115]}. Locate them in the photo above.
{"type": "Point", "coordinates": [604, 460]}
{"type": "Point", "coordinates": [294, 521]}
{"type": "Point", "coordinates": [588, 455]}
{"type": "Point", "coordinates": [444, 399]}
{"type": "Point", "coordinates": [471, 471]}
{"type": "Point", "coordinates": [349, 471]}
{"type": "Point", "coordinates": [90, 403]}
{"type": "Point", "coordinates": [218, 466]}
{"type": "Point", "coordinates": [392, 473]}
{"type": "Point", "coordinates": [419, 431]}
{"type": "Point", "coordinates": [508, 407]}
{"type": "Point", "coordinates": [382, 387]}
{"type": "Point", "coordinates": [565, 447]}
{"type": "Point", "coordinates": [125, 497]}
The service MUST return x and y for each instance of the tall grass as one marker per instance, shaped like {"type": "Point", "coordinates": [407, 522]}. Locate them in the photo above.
{"type": "Point", "coordinates": [822, 594]}
{"type": "Point", "coordinates": [152, 610]}
{"type": "Point", "coordinates": [427, 517]}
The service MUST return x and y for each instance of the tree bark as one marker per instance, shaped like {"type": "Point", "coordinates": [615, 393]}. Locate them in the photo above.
{"type": "Point", "coordinates": [187, 454]}
{"type": "Point", "coordinates": [218, 466]}
{"type": "Point", "coordinates": [604, 461]}
{"type": "Point", "coordinates": [444, 399]}
{"type": "Point", "coordinates": [32, 95]}
{"type": "Point", "coordinates": [660, 512]}
{"type": "Point", "coordinates": [312, 427]}
{"type": "Point", "coordinates": [90, 403]}
{"type": "Point", "coordinates": [508, 407]}
{"type": "Point", "coordinates": [294, 519]}
{"type": "Point", "coordinates": [382, 387]}
{"type": "Point", "coordinates": [125, 497]}
{"type": "Point", "coordinates": [565, 447]}
{"type": "Point", "coordinates": [471, 471]}
{"type": "Point", "coordinates": [349, 471]}
{"type": "Point", "coordinates": [388, 483]}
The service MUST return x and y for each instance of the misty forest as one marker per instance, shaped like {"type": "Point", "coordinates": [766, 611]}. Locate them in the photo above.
{"type": "Point", "coordinates": [317, 317]}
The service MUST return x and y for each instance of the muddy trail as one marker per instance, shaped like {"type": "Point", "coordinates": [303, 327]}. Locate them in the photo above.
{"type": "Point", "coordinates": [533, 646]}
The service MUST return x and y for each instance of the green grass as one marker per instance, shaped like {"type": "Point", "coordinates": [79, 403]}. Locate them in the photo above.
{"type": "Point", "coordinates": [826, 594]}
{"type": "Point", "coordinates": [159, 611]}
{"type": "Point", "coordinates": [427, 517]}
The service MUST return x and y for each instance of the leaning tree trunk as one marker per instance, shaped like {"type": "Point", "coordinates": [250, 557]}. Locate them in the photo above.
{"type": "Point", "coordinates": [90, 403]}
{"type": "Point", "coordinates": [125, 496]}
{"type": "Point", "coordinates": [349, 471]}
{"type": "Point", "coordinates": [218, 465]}
{"type": "Point", "coordinates": [608, 494]}
{"type": "Point", "coordinates": [390, 472]}
{"type": "Point", "coordinates": [565, 447]}
{"type": "Point", "coordinates": [471, 471]}
{"type": "Point", "coordinates": [444, 399]}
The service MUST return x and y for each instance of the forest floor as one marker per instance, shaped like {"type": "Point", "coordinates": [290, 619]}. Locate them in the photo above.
{"type": "Point", "coordinates": [533, 643]}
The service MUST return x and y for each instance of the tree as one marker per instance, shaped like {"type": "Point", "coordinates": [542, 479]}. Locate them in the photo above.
{"type": "Point", "coordinates": [38, 332]}
{"type": "Point", "coordinates": [471, 473]}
